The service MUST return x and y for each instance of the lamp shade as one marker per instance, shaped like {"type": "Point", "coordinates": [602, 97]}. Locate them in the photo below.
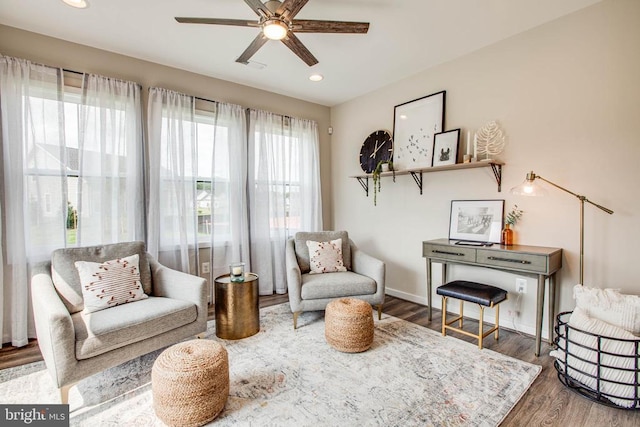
{"type": "Point", "coordinates": [529, 187]}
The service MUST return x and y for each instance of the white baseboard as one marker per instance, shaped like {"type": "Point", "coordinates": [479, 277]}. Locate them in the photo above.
{"type": "Point", "coordinates": [406, 296]}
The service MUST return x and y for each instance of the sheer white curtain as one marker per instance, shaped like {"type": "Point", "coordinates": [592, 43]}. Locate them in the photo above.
{"type": "Point", "coordinates": [284, 190]}
{"type": "Point", "coordinates": [33, 171]}
{"type": "Point", "coordinates": [64, 149]}
{"type": "Point", "coordinates": [173, 224]}
{"type": "Point", "coordinates": [110, 194]}
{"type": "Point", "coordinates": [197, 182]}
{"type": "Point", "coordinates": [226, 166]}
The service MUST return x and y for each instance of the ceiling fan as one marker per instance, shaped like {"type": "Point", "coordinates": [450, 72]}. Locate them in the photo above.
{"type": "Point", "coordinates": [277, 23]}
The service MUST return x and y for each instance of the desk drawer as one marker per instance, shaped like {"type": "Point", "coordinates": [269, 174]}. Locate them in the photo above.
{"type": "Point", "coordinates": [519, 261]}
{"type": "Point", "coordinates": [453, 253]}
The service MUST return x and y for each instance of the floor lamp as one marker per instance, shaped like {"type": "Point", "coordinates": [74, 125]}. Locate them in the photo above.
{"type": "Point", "coordinates": [530, 188]}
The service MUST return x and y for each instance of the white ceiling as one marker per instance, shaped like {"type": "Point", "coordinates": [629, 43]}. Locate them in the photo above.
{"type": "Point", "coordinates": [405, 37]}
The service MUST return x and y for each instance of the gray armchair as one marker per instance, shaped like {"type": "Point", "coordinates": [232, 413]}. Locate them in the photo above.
{"type": "Point", "coordinates": [75, 344]}
{"type": "Point", "coordinates": [364, 278]}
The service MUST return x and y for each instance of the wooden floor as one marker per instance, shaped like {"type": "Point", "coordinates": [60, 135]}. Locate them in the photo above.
{"type": "Point", "coordinates": [546, 403]}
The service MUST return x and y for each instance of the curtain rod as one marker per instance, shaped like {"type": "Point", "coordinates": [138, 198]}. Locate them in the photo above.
{"type": "Point", "coordinates": [205, 99]}
{"type": "Point", "coordinates": [80, 73]}
{"type": "Point", "coordinates": [72, 71]}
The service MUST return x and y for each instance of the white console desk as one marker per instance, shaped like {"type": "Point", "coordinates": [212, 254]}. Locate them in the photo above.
{"type": "Point", "coordinates": [535, 261]}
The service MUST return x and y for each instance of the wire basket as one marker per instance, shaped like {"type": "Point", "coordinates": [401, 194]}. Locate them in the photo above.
{"type": "Point", "coordinates": [607, 370]}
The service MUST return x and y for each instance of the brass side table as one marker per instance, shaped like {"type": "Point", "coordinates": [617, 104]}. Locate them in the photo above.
{"type": "Point", "coordinates": [237, 307]}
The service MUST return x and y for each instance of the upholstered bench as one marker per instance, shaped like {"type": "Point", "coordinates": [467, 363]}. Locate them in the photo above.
{"type": "Point", "coordinates": [483, 295]}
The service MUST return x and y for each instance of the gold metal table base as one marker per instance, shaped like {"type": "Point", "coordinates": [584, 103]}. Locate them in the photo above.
{"type": "Point", "coordinates": [237, 307]}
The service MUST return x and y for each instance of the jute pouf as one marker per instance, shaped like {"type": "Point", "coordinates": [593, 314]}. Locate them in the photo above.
{"type": "Point", "coordinates": [348, 325]}
{"type": "Point", "coordinates": [190, 383]}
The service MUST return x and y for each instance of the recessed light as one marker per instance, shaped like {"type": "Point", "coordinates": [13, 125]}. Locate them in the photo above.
{"type": "Point", "coordinates": [316, 77]}
{"type": "Point", "coordinates": [80, 4]}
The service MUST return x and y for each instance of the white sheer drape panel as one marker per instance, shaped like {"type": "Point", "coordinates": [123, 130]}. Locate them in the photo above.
{"type": "Point", "coordinates": [33, 172]}
{"type": "Point", "coordinates": [284, 190]}
{"type": "Point", "coordinates": [229, 238]}
{"type": "Point", "coordinates": [172, 178]}
{"type": "Point", "coordinates": [110, 193]}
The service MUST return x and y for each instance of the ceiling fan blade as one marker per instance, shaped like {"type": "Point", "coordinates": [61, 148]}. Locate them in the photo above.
{"type": "Point", "coordinates": [294, 43]}
{"type": "Point", "coordinates": [258, 7]}
{"type": "Point", "coordinates": [312, 26]}
{"type": "Point", "coordinates": [218, 21]}
{"type": "Point", "coordinates": [291, 7]}
{"type": "Point", "coordinates": [256, 44]}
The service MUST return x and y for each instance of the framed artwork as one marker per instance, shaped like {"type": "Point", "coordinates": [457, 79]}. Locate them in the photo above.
{"type": "Point", "coordinates": [414, 125]}
{"type": "Point", "coordinates": [476, 220]}
{"type": "Point", "coordinates": [445, 147]}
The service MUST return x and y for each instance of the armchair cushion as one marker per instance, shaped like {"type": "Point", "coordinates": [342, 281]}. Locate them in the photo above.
{"type": "Point", "coordinates": [111, 283]}
{"type": "Point", "coordinates": [336, 285]}
{"type": "Point", "coordinates": [67, 281]}
{"type": "Point", "coordinates": [106, 330]}
{"type": "Point", "coordinates": [302, 251]}
{"type": "Point", "coordinates": [325, 257]}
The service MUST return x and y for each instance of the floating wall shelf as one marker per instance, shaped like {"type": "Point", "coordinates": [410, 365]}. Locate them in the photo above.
{"type": "Point", "coordinates": [416, 174]}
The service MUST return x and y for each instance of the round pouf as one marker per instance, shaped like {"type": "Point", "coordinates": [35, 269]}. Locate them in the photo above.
{"type": "Point", "coordinates": [348, 325]}
{"type": "Point", "coordinates": [190, 383]}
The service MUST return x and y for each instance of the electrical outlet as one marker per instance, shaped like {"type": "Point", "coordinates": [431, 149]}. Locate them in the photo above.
{"type": "Point", "coordinates": [206, 268]}
{"type": "Point", "coordinates": [521, 286]}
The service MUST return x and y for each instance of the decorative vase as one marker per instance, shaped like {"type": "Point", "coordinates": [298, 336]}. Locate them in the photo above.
{"type": "Point", "coordinates": [507, 235]}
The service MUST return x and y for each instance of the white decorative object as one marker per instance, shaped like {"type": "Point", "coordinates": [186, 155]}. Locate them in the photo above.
{"type": "Point", "coordinates": [236, 272]}
{"type": "Point", "coordinates": [489, 141]}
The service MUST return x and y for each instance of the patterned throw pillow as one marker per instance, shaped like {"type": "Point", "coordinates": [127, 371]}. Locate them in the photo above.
{"type": "Point", "coordinates": [111, 283]}
{"type": "Point", "coordinates": [325, 257]}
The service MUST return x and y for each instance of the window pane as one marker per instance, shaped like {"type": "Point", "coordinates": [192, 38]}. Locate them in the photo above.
{"type": "Point", "coordinates": [212, 198]}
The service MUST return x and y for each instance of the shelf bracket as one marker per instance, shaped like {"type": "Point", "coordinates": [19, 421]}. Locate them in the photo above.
{"type": "Point", "coordinates": [364, 182]}
{"type": "Point", "coordinates": [497, 172]}
{"type": "Point", "coordinates": [417, 177]}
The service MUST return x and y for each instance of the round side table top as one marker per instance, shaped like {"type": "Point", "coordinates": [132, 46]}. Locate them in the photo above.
{"type": "Point", "coordinates": [226, 278]}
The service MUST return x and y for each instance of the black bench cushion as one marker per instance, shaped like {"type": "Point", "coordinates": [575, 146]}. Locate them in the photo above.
{"type": "Point", "coordinates": [473, 292]}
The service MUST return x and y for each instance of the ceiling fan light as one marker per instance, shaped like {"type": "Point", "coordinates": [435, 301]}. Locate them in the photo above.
{"type": "Point", "coordinates": [274, 29]}
{"type": "Point", "coordinates": [80, 4]}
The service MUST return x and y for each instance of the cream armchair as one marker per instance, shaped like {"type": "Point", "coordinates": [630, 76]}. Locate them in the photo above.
{"type": "Point", "coordinates": [364, 278]}
{"type": "Point", "coordinates": [75, 344]}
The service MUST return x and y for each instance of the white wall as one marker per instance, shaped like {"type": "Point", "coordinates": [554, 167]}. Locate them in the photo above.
{"type": "Point", "coordinates": [568, 96]}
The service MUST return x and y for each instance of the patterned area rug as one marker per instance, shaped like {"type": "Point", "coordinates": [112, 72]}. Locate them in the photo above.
{"type": "Point", "coordinates": [411, 376]}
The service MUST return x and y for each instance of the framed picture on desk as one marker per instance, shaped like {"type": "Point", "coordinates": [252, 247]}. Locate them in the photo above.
{"type": "Point", "coordinates": [476, 220]}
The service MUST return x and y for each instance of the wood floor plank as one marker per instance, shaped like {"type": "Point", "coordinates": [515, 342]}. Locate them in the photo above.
{"type": "Point", "coordinates": [547, 403]}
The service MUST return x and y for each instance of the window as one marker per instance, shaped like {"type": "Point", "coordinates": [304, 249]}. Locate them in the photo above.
{"type": "Point", "coordinates": [213, 198]}
{"type": "Point", "coordinates": [79, 186]}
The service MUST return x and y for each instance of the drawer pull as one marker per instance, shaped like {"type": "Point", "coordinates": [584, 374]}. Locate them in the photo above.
{"type": "Point", "coordinates": [518, 261]}
{"type": "Point", "coordinates": [447, 253]}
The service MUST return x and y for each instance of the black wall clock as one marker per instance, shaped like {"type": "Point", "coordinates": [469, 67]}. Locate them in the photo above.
{"type": "Point", "coordinates": [376, 148]}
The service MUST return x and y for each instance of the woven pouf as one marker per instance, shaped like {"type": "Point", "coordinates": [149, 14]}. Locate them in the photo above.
{"type": "Point", "coordinates": [190, 382]}
{"type": "Point", "coordinates": [348, 325]}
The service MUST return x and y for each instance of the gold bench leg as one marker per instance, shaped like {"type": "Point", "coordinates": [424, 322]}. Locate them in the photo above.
{"type": "Point", "coordinates": [481, 330]}
{"type": "Point", "coordinates": [444, 316]}
{"type": "Point", "coordinates": [461, 314]}
{"type": "Point", "coordinates": [497, 321]}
